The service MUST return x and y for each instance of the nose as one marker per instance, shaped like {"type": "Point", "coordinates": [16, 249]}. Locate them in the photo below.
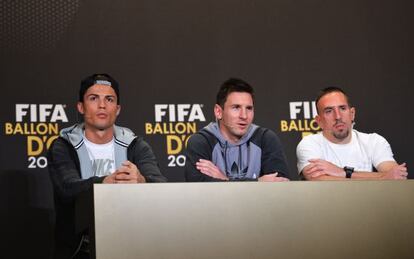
{"type": "Point", "coordinates": [337, 113]}
{"type": "Point", "coordinates": [243, 113]}
{"type": "Point", "coordinates": [102, 103]}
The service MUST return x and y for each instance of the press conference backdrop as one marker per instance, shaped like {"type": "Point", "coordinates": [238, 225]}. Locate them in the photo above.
{"type": "Point", "coordinates": [170, 57]}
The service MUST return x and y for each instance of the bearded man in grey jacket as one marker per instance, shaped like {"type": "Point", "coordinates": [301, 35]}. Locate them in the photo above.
{"type": "Point", "coordinates": [233, 148]}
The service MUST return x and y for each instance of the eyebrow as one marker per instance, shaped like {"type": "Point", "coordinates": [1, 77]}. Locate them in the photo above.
{"type": "Point", "coordinates": [108, 95]}
{"type": "Point", "coordinates": [339, 106]}
{"type": "Point", "coordinates": [240, 104]}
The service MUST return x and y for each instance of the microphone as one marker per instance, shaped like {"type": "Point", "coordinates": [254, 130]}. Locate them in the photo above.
{"type": "Point", "coordinates": [232, 127]}
{"type": "Point", "coordinates": [220, 121]}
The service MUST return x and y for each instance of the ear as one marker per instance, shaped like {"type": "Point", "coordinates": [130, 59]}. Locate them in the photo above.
{"type": "Point", "coordinates": [318, 120]}
{"type": "Point", "coordinates": [80, 108]}
{"type": "Point", "coordinates": [218, 112]}
{"type": "Point", "coordinates": [118, 110]}
{"type": "Point", "coordinates": [353, 114]}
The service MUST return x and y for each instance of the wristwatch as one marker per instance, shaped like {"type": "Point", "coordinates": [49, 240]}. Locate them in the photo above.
{"type": "Point", "coordinates": [348, 171]}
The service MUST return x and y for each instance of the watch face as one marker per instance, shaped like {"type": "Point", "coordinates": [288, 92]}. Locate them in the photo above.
{"type": "Point", "coordinates": [348, 169]}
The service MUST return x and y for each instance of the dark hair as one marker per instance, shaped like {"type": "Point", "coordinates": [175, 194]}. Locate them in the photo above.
{"type": "Point", "coordinates": [233, 85]}
{"type": "Point", "coordinates": [104, 79]}
{"type": "Point", "coordinates": [328, 90]}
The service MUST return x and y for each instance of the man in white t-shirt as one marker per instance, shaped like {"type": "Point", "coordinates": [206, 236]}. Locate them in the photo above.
{"type": "Point", "coordinates": [339, 151]}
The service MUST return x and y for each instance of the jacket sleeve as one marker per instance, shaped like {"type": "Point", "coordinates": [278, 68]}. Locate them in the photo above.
{"type": "Point", "coordinates": [198, 148]}
{"type": "Point", "coordinates": [140, 153]}
{"type": "Point", "coordinates": [64, 171]}
{"type": "Point", "coordinates": [273, 156]}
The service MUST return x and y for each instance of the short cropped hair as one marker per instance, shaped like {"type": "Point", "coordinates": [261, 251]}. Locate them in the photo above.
{"type": "Point", "coordinates": [328, 90]}
{"type": "Point", "coordinates": [233, 85]}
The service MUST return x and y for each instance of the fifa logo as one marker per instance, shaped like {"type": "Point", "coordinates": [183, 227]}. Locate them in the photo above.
{"type": "Point", "coordinates": [39, 124]}
{"type": "Point", "coordinates": [302, 116]}
{"type": "Point", "coordinates": [41, 112]}
{"type": "Point", "coordinates": [177, 122]}
{"type": "Point", "coordinates": [304, 108]}
{"type": "Point", "coordinates": [179, 112]}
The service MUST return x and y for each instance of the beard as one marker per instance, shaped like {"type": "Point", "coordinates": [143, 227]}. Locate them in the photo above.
{"type": "Point", "coordinates": [341, 135]}
{"type": "Point", "coordinates": [238, 133]}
